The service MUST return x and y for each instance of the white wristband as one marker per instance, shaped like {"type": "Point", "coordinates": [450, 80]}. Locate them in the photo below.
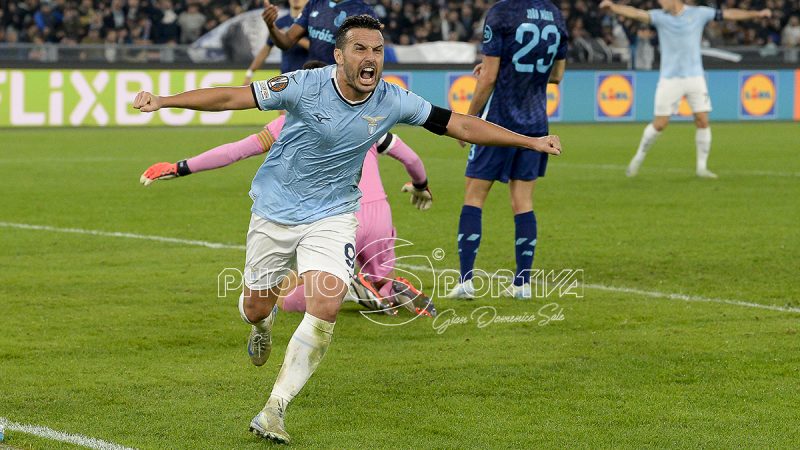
{"type": "Point", "coordinates": [249, 73]}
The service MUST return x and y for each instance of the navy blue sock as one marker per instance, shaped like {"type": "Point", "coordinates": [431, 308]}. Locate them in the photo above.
{"type": "Point", "coordinates": [525, 246]}
{"type": "Point", "coordinates": [469, 239]}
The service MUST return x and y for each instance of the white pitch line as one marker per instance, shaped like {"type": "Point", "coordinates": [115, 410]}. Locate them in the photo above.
{"type": "Point", "coordinates": [53, 435]}
{"type": "Point", "coordinates": [217, 245]}
{"type": "Point", "coordinates": [654, 294]}
{"type": "Point", "coordinates": [690, 298]}
{"type": "Point", "coordinates": [687, 170]}
{"type": "Point", "coordinates": [146, 237]}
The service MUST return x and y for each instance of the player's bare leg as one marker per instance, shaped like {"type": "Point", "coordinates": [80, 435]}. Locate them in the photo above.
{"type": "Point", "coordinates": [305, 351]}
{"type": "Point", "coordinates": [524, 236]}
{"type": "Point", "coordinates": [257, 308]}
{"type": "Point", "coordinates": [702, 141]}
{"type": "Point", "coordinates": [651, 133]}
{"type": "Point", "coordinates": [469, 233]}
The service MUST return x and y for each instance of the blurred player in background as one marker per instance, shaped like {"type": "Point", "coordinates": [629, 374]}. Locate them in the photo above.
{"type": "Point", "coordinates": [306, 192]}
{"type": "Point", "coordinates": [524, 48]}
{"type": "Point", "coordinates": [375, 286]}
{"type": "Point", "coordinates": [318, 22]}
{"type": "Point", "coordinates": [292, 58]}
{"type": "Point", "coordinates": [680, 29]}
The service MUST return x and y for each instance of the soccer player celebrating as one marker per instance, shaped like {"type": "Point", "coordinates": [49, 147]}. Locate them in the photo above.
{"type": "Point", "coordinates": [293, 57]}
{"type": "Point", "coordinates": [306, 191]}
{"type": "Point", "coordinates": [524, 47]}
{"type": "Point", "coordinates": [680, 29]}
{"type": "Point", "coordinates": [375, 286]}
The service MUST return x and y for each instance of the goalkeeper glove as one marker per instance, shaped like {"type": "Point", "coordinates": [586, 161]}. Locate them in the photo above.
{"type": "Point", "coordinates": [164, 171]}
{"type": "Point", "coordinates": [421, 196]}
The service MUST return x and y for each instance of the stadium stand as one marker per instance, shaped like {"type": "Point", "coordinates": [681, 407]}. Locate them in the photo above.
{"type": "Point", "coordinates": [593, 35]}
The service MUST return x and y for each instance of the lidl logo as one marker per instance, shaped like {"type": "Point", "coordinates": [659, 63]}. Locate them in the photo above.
{"type": "Point", "coordinates": [684, 110]}
{"type": "Point", "coordinates": [402, 79]}
{"type": "Point", "coordinates": [758, 95]}
{"type": "Point", "coordinates": [460, 90]}
{"type": "Point", "coordinates": [553, 102]}
{"type": "Point", "coordinates": [614, 96]}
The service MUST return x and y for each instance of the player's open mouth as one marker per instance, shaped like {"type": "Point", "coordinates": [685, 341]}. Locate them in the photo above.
{"type": "Point", "coordinates": [367, 75]}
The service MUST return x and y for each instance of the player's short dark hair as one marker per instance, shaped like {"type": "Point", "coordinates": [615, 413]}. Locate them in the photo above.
{"type": "Point", "coordinates": [313, 64]}
{"type": "Point", "coordinates": [361, 21]}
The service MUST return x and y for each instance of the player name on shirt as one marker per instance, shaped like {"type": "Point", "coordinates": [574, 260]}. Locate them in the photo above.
{"type": "Point", "coordinates": [540, 14]}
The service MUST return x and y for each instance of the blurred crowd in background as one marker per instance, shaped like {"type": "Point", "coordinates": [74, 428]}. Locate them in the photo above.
{"type": "Point", "coordinates": [406, 22]}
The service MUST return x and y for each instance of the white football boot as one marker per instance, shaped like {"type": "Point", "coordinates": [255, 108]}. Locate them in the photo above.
{"type": "Point", "coordinates": [268, 423]}
{"type": "Point", "coordinates": [259, 344]}
{"type": "Point", "coordinates": [462, 290]}
{"type": "Point", "coordinates": [705, 173]}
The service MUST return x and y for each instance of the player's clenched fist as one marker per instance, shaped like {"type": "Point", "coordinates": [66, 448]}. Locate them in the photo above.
{"type": "Point", "coordinates": [147, 102]}
{"type": "Point", "coordinates": [421, 198]}
{"type": "Point", "coordinates": [547, 144]}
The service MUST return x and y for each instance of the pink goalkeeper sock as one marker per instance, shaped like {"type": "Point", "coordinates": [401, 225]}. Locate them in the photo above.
{"type": "Point", "coordinates": [386, 290]}
{"type": "Point", "coordinates": [295, 301]}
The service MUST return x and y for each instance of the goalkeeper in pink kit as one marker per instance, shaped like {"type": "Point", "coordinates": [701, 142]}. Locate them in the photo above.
{"type": "Point", "coordinates": [375, 285]}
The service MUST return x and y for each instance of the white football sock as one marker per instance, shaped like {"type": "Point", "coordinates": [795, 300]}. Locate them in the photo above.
{"type": "Point", "coordinates": [262, 325]}
{"type": "Point", "coordinates": [308, 345]}
{"type": "Point", "coordinates": [702, 139]}
{"type": "Point", "coordinates": [648, 139]}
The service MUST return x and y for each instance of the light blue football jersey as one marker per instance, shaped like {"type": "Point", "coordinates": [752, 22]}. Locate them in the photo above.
{"type": "Point", "coordinates": [313, 169]}
{"type": "Point", "coordinates": [679, 38]}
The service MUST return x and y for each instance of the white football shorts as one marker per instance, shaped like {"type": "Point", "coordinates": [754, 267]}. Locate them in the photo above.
{"type": "Point", "coordinates": [272, 250]}
{"type": "Point", "coordinates": [670, 91]}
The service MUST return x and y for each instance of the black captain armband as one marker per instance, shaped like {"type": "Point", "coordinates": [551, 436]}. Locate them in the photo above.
{"type": "Point", "coordinates": [385, 142]}
{"type": "Point", "coordinates": [718, 15]}
{"type": "Point", "coordinates": [183, 168]}
{"type": "Point", "coordinates": [438, 120]}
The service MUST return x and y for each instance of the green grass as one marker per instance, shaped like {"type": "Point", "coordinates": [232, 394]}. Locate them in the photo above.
{"type": "Point", "coordinates": [125, 340]}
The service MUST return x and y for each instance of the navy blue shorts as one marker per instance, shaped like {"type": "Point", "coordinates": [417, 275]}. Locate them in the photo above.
{"type": "Point", "coordinates": [505, 163]}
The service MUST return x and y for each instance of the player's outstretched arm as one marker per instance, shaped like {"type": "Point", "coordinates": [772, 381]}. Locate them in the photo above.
{"type": "Point", "coordinates": [478, 131]}
{"type": "Point", "coordinates": [221, 156]}
{"type": "Point", "coordinates": [625, 11]}
{"type": "Point", "coordinates": [217, 157]}
{"type": "Point", "coordinates": [743, 14]}
{"type": "Point", "coordinates": [209, 99]}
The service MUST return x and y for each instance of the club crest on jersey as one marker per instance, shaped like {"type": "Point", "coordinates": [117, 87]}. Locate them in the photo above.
{"type": "Point", "coordinates": [340, 19]}
{"type": "Point", "coordinates": [372, 122]}
{"type": "Point", "coordinates": [278, 83]}
{"type": "Point", "coordinates": [487, 34]}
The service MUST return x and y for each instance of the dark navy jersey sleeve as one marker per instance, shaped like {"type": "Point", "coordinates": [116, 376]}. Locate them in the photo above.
{"type": "Point", "coordinates": [303, 19]}
{"type": "Point", "coordinates": [562, 29]}
{"type": "Point", "coordinates": [493, 34]}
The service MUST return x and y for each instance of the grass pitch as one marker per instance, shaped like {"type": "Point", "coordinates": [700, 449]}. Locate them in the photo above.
{"type": "Point", "coordinates": [126, 340]}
